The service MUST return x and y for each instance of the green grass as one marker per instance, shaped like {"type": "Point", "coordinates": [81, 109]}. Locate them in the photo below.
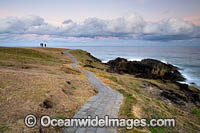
{"type": "Point", "coordinates": [196, 112]}
{"type": "Point", "coordinates": [153, 112]}
{"type": "Point", "coordinates": [3, 128]}
{"type": "Point", "coordinates": [48, 91]}
{"type": "Point", "coordinates": [129, 101]}
{"type": "Point", "coordinates": [84, 57]}
{"type": "Point", "coordinates": [74, 87]}
{"type": "Point", "coordinates": [60, 117]}
{"type": "Point", "coordinates": [158, 103]}
{"type": "Point", "coordinates": [70, 112]}
{"type": "Point", "coordinates": [24, 55]}
{"type": "Point", "coordinates": [157, 130]}
{"type": "Point", "coordinates": [133, 86]}
{"type": "Point", "coordinates": [112, 78]}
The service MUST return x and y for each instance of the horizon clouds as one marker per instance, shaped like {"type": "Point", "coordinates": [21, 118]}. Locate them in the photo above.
{"type": "Point", "coordinates": [131, 26]}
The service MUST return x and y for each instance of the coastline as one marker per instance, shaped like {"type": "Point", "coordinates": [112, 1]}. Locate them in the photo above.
{"type": "Point", "coordinates": [188, 79]}
{"type": "Point", "coordinates": [185, 59]}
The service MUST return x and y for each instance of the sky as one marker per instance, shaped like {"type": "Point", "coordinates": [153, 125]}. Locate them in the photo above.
{"type": "Point", "coordinates": [134, 21]}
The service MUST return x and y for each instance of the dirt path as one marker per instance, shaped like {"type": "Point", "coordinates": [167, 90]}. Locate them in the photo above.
{"type": "Point", "coordinates": [106, 102]}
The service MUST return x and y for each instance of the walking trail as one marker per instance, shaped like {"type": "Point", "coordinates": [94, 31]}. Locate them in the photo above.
{"type": "Point", "coordinates": [106, 102]}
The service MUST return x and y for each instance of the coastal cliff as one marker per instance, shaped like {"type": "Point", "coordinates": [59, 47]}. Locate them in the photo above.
{"type": "Point", "coordinates": [146, 68]}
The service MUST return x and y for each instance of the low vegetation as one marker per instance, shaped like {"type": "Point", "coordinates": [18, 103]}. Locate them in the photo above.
{"type": "Point", "coordinates": [41, 81]}
{"type": "Point", "coordinates": [129, 102]}
{"type": "Point", "coordinates": [38, 81]}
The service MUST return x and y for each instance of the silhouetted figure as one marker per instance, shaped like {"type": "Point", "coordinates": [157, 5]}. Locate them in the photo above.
{"type": "Point", "coordinates": [45, 45]}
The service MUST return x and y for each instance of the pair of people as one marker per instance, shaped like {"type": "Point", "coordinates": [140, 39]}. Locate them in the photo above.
{"type": "Point", "coordinates": [43, 45]}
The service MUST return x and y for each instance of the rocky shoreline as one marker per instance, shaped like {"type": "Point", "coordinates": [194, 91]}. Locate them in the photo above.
{"type": "Point", "coordinates": [155, 70]}
{"type": "Point", "coordinates": [146, 68]}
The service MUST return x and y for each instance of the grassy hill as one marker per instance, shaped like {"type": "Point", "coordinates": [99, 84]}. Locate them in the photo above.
{"type": "Point", "coordinates": [38, 81]}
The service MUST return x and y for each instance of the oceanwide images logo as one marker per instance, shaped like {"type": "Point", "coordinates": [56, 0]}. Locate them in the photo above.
{"type": "Point", "coordinates": [46, 121]}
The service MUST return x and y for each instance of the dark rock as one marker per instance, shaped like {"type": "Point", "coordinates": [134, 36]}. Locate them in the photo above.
{"type": "Point", "coordinates": [25, 67]}
{"type": "Point", "coordinates": [68, 82]}
{"type": "Point", "coordinates": [192, 95]}
{"type": "Point", "coordinates": [47, 104]}
{"type": "Point", "coordinates": [182, 95]}
{"type": "Point", "coordinates": [147, 68]}
{"type": "Point", "coordinates": [89, 61]}
{"type": "Point", "coordinates": [174, 97]}
{"type": "Point", "coordinates": [192, 83]}
{"type": "Point", "coordinates": [91, 66]}
{"type": "Point", "coordinates": [61, 52]}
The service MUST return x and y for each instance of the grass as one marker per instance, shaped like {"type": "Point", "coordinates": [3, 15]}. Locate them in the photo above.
{"type": "Point", "coordinates": [24, 55]}
{"type": "Point", "coordinates": [60, 117]}
{"type": "Point", "coordinates": [126, 108]}
{"type": "Point", "coordinates": [69, 70]}
{"type": "Point", "coordinates": [196, 112]}
{"type": "Point", "coordinates": [3, 128]}
{"type": "Point", "coordinates": [153, 112]}
{"type": "Point", "coordinates": [74, 87]}
{"type": "Point", "coordinates": [112, 78]}
{"type": "Point", "coordinates": [133, 86]}
{"type": "Point", "coordinates": [70, 112]}
{"type": "Point", "coordinates": [157, 130]}
{"type": "Point", "coordinates": [86, 59]}
{"type": "Point", "coordinates": [29, 76]}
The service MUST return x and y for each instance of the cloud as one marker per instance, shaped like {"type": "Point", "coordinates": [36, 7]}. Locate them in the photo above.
{"type": "Point", "coordinates": [67, 21]}
{"type": "Point", "coordinates": [170, 29]}
{"type": "Point", "coordinates": [131, 26]}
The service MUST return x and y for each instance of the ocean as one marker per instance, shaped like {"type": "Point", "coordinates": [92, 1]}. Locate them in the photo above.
{"type": "Point", "coordinates": [187, 58]}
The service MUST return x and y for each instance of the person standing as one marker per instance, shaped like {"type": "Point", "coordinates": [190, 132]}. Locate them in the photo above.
{"type": "Point", "coordinates": [45, 45]}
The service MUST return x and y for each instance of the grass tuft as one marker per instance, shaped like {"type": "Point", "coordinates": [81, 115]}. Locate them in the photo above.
{"type": "Point", "coordinates": [196, 112]}
{"type": "Point", "coordinates": [129, 101]}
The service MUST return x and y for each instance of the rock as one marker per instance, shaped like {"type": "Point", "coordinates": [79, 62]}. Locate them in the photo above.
{"type": "Point", "coordinates": [47, 104]}
{"type": "Point", "coordinates": [182, 95]}
{"type": "Point", "coordinates": [193, 83]}
{"type": "Point", "coordinates": [89, 61]}
{"type": "Point", "coordinates": [147, 68]}
{"type": "Point", "coordinates": [25, 67]}
{"type": "Point", "coordinates": [191, 95]}
{"type": "Point", "coordinates": [68, 82]}
{"type": "Point", "coordinates": [61, 52]}
{"type": "Point", "coordinates": [91, 66]}
{"type": "Point", "coordinates": [174, 97]}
